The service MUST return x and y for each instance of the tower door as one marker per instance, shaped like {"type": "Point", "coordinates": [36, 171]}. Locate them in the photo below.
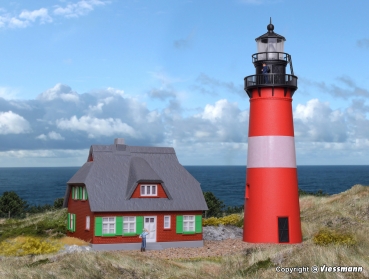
{"type": "Point", "coordinates": [283, 229]}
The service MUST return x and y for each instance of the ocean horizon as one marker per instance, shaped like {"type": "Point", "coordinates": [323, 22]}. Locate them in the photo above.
{"type": "Point", "coordinates": [42, 185]}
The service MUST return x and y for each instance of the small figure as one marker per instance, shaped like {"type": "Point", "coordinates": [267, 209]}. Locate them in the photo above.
{"type": "Point", "coordinates": [265, 70]}
{"type": "Point", "coordinates": [143, 236]}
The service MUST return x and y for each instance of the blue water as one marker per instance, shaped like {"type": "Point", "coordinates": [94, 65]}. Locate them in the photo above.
{"type": "Point", "coordinates": [39, 186]}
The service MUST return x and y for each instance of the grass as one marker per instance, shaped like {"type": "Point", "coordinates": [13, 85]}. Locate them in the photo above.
{"type": "Point", "coordinates": [344, 214]}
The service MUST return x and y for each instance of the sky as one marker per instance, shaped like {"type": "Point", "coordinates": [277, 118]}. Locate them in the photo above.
{"type": "Point", "coordinates": [171, 73]}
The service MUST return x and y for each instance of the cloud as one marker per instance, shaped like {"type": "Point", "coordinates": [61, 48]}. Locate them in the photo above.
{"type": "Point", "coordinates": [208, 85]}
{"type": "Point", "coordinates": [42, 14]}
{"type": "Point", "coordinates": [12, 123]}
{"type": "Point", "coordinates": [79, 8]}
{"type": "Point", "coordinates": [364, 43]}
{"type": "Point", "coordinates": [59, 91]}
{"type": "Point", "coordinates": [96, 127]}
{"type": "Point", "coordinates": [51, 135]}
{"type": "Point", "coordinates": [184, 43]}
{"type": "Point", "coordinates": [351, 89]}
{"type": "Point", "coordinates": [161, 94]}
{"type": "Point", "coordinates": [317, 122]}
{"type": "Point", "coordinates": [26, 17]}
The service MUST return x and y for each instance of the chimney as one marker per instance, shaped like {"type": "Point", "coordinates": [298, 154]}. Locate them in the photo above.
{"type": "Point", "coordinates": [119, 141]}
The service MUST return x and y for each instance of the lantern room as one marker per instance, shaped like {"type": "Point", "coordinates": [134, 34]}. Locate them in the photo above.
{"type": "Point", "coordinates": [270, 46]}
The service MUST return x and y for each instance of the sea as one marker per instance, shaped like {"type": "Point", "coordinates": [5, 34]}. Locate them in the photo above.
{"type": "Point", "coordinates": [39, 186]}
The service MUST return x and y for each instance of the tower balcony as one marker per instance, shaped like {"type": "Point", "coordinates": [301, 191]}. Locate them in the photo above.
{"type": "Point", "coordinates": [270, 80]}
{"type": "Point", "coordinates": [270, 56]}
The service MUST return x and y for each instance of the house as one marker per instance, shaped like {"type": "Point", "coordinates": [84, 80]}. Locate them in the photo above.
{"type": "Point", "coordinates": [121, 189]}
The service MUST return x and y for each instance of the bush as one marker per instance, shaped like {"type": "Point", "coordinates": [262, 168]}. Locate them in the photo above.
{"type": "Point", "coordinates": [319, 193]}
{"type": "Point", "coordinates": [22, 246]}
{"type": "Point", "coordinates": [58, 203]}
{"type": "Point", "coordinates": [215, 205]}
{"type": "Point", "coordinates": [11, 202]}
{"type": "Point", "coordinates": [234, 219]}
{"type": "Point", "coordinates": [325, 237]}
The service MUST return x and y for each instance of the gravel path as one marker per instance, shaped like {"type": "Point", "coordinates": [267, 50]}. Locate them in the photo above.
{"type": "Point", "coordinates": [218, 241]}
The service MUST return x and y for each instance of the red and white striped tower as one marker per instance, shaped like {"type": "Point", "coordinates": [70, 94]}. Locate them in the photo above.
{"type": "Point", "coordinates": [272, 211]}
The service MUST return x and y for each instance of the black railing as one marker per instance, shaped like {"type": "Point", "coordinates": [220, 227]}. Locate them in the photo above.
{"type": "Point", "coordinates": [271, 80]}
{"type": "Point", "coordinates": [265, 56]}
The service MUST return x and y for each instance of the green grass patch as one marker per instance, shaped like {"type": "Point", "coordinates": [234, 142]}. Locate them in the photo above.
{"type": "Point", "coordinates": [53, 223]}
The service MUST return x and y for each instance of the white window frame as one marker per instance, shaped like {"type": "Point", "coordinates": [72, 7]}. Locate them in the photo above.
{"type": "Point", "coordinates": [146, 190]}
{"type": "Point", "coordinates": [87, 223]}
{"type": "Point", "coordinates": [189, 223]}
{"type": "Point", "coordinates": [84, 193]}
{"type": "Point", "coordinates": [131, 222]}
{"type": "Point", "coordinates": [167, 222]}
{"type": "Point", "coordinates": [111, 224]}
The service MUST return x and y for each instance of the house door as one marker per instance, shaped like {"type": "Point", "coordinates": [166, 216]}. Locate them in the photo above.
{"type": "Point", "coordinates": [150, 224]}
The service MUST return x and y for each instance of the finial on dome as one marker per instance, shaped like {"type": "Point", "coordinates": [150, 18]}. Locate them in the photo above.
{"type": "Point", "coordinates": [270, 26]}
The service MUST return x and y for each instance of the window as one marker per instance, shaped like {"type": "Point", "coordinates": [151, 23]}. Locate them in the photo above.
{"type": "Point", "coordinates": [74, 193]}
{"type": "Point", "coordinates": [188, 223]}
{"type": "Point", "coordinates": [87, 223]}
{"type": "Point", "coordinates": [108, 225]}
{"type": "Point", "coordinates": [129, 225]}
{"type": "Point", "coordinates": [71, 222]}
{"type": "Point", "coordinates": [84, 194]}
{"type": "Point", "coordinates": [166, 222]}
{"type": "Point", "coordinates": [148, 190]}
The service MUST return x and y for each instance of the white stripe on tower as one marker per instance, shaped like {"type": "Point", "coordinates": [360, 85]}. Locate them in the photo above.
{"type": "Point", "coordinates": [271, 152]}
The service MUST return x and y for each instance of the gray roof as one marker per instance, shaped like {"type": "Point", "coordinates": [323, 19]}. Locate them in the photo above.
{"type": "Point", "coordinates": [116, 170]}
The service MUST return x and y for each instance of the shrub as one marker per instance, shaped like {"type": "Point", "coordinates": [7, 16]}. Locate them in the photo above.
{"type": "Point", "coordinates": [233, 219]}
{"type": "Point", "coordinates": [11, 202]}
{"type": "Point", "coordinates": [58, 203]}
{"type": "Point", "coordinates": [215, 205]}
{"type": "Point", "coordinates": [325, 237]}
{"type": "Point", "coordinates": [22, 246]}
{"type": "Point", "coordinates": [318, 193]}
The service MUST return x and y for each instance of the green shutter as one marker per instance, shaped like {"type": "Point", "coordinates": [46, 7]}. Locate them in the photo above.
{"type": "Point", "coordinates": [198, 224]}
{"type": "Point", "coordinates": [74, 222]}
{"type": "Point", "coordinates": [72, 192]}
{"type": "Point", "coordinates": [86, 193]}
{"type": "Point", "coordinates": [119, 225]}
{"type": "Point", "coordinates": [179, 224]}
{"type": "Point", "coordinates": [69, 221]}
{"type": "Point", "coordinates": [98, 226]}
{"type": "Point", "coordinates": [139, 224]}
{"type": "Point", "coordinates": [80, 193]}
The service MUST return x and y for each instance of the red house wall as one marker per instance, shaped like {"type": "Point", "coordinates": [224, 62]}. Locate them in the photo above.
{"type": "Point", "coordinates": [82, 209]}
{"type": "Point", "coordinates": [161, 193]}
{"type": "Point", "coordinates": [162, 235]}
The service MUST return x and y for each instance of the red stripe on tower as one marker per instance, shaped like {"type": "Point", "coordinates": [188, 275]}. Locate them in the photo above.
{"type": "Point", "coordinates": [272, 211]}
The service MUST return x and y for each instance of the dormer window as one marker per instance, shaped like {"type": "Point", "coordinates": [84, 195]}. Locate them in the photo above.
{"type": "Point", "coordinates": [148, 190]}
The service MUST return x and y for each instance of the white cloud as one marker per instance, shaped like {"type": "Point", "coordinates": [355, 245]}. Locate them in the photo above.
{"type": "Point", "coordinates": [42, 14]}
{"type": "Point", "coordinates": [51, 135]}
{"type": "Point", "coordinates": [16, 23]}
{"type": "Point", "coordinates": [59, 91]}
{"type": "Point", "coordinates": [96, 127]}
{"type": "Point", "coordinates": [316, 121]}
{"type": "Point", "coordinates": [12, 123]}
{"type": "Point", "coordinates": [78, 9]}
{"type": "Point", "coordinates": [26, 18]}
{"type": "Point", "coordinates": [8, 93]}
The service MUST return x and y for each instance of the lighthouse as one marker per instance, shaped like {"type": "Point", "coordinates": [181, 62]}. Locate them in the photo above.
{"type": "Point", "coordinates": [272, 211]}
